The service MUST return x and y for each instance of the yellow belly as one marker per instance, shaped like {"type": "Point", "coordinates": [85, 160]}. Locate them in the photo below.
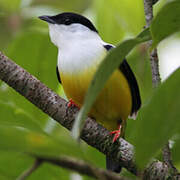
{"type": "Point", "coordinates": [112, 105]}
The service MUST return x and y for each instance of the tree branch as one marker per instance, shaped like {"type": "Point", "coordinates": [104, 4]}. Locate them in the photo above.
{"type": "Point", "coordinates": [157, 170]}
{"type": "Point", "coordinates": [161, 171]}
{"type": "Point", "coordinates": [83, 168]}
{"type": "Point", "coordinates": [29, 171]}
{"type": "Point", "coordinates": [148, 9]}
{"type": "Point", "coordinates": [156, 80]}
{"type": "Point", "coordinates": [56, 107]}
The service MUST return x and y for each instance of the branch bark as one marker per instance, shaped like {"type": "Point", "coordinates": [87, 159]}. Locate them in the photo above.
{"type": "Point", "coordinates": [56, 107]}
{"type": "Point", "coordinates": [148, 10]}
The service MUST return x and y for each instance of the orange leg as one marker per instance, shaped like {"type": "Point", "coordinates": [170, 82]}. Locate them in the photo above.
{"type": "Point", "coordinates": [72, 103]}
{"type": "Point", "coordinates": [116, 133]}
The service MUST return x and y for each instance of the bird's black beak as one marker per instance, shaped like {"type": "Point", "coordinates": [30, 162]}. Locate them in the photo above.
{"type": "Point", "coordinates": [47, 19]}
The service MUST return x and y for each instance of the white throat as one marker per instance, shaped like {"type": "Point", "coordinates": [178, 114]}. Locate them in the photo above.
{"type": "Point", "coordinates": [78, 47]}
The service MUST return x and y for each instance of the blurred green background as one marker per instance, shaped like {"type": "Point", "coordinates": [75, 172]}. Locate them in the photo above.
{"type": "Point", "coordinates": [24, 38]}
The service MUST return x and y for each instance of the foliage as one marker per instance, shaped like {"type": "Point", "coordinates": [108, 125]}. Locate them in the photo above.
{"type": "Point", "coordinates": [165, 121]}
{"type": "Point", "coordinates": [25, 129]}
{"type": "Point", "coordinates": [159, 27]}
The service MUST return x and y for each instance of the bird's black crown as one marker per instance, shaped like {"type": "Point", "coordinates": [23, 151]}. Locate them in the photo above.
{"type": "Point", "coordinates": [69, 18]}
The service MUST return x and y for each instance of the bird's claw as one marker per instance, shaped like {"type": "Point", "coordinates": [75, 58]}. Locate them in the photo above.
{"type": "Point", "coordinates": [71, 103]}
{"type": "Point", "coordinates": [116, 133]}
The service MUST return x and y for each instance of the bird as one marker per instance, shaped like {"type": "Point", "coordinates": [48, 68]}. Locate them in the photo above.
{"type": "Point", "coordinates": [80, 52]}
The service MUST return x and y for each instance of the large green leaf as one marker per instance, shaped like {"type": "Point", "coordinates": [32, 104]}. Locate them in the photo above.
{"type": "Point", "coordinates": [166, 22]}
{"type": "Point", "coordinates": [175, 149]}
{"type": "Point", "coordinates": [12, 115]}
{"type": "Point", "coordinates": [20, 139]}
{"type": "Point", "coordinates": [17, 103]}
{"type": "Point", "coordinates": [12, 164]}
{"type": "Point", "coordinates": [50, 172]}
{"type": "Point", "coordinates": [158, 120]}
{"type": "Point", "coordinates": [109, 64]}
{"type": "Point", "coordinates": [140, 65]}
{"type": "Point", "coordinates": [19, 132]}
{"type": "Point", "coordinates": [139, 62]}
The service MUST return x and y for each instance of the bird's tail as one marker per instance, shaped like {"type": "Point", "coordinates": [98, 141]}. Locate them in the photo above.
{"type": "Point", "coordinates": [112, 165]}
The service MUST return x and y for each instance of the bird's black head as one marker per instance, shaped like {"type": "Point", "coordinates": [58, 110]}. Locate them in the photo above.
{"type": "Point", "coordinates": [68, 19]}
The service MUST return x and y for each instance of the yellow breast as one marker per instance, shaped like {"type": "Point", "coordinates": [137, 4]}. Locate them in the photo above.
{"type": "Point", "coordinates": [112, 105]}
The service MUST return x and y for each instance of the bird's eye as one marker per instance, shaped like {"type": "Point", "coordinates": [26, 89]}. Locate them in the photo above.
{"type": "Point", "coordinates": [67, 22]}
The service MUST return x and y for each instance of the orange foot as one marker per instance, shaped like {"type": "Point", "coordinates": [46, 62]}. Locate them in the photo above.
{"type": "Point", "coordinates": [116, 133]}
{"type": "Point", "coordinates": [72, 103]}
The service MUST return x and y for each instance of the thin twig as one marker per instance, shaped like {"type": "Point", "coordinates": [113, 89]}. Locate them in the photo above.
{"type": "Point", "coordinates": [167, 155]}
{"type": "Point", "coordinates": [83, 168]}
{"type": "Point", "coordinates": [156, 80]}
{"type": "Point", "coordinates": [30, 170]}
{"type": "Point", "coordinates": [148, 9]}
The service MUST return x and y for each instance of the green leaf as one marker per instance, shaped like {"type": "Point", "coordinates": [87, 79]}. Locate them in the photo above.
{"type": "Point", "coordinates": [12, 102]}
{"type": "Point", "coordinates": [20, 139]}
{"type": "Point", "coordinates": [15, 119]}
{"type": "Point", "coordinates": [158, 120]}
{"type": "Point", "coordinates": [106, 68]}
{"type": "Point", "coordinates": [12, 164]}
{"type": "Point", "coordinates": [50, 172]}
{"type": "Point", "coordinates": [166, 22]}
{"type": "Point", "coordinates": [12, 115]}
{"type": "Point", "coordinates": [175, 149]}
